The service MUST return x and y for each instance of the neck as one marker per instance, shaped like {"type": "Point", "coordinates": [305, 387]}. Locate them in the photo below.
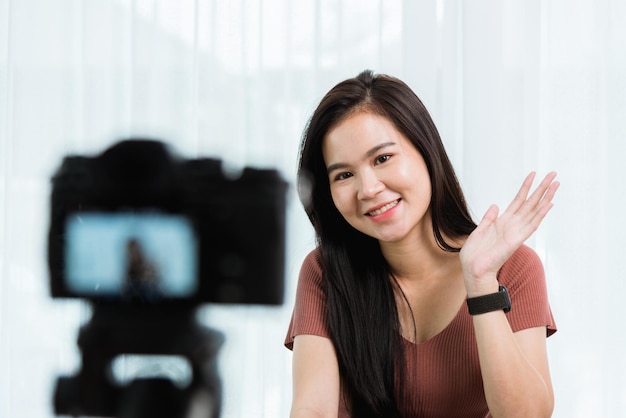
{"type": "Point", "coordinates": [418, 259]}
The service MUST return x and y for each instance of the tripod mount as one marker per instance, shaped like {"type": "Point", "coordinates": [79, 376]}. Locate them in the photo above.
{"type": "Point", "coordinates": [143, 330]}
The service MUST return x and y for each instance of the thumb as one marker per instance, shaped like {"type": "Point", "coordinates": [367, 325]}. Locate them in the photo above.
{"type": "Point", "coordinates": [489, 217]}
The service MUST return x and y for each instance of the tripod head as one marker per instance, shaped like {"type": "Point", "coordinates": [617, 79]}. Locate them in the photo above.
{"type": "Point", "coordinates": [114, 331]}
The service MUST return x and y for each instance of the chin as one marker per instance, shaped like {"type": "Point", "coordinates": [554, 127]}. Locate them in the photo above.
{"type": "Point", "coordinates": [389, 238]}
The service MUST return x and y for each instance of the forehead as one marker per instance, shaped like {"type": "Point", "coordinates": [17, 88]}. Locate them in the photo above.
{"type": "Point", "coordinates": [358, 133]}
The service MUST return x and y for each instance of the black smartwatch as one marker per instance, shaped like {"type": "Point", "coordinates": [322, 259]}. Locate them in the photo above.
{"type": "Point", "coordinates": [488, 303]}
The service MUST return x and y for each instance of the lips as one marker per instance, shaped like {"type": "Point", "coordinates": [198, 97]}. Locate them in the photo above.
{"type": "Point", "coordinates": [383, 208]}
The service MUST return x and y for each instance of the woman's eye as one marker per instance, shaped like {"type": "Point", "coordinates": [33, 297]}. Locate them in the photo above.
{"type": "Point", "coordinates": [382, 158]}
{"type": "Point", "coordinates": [343, 176]}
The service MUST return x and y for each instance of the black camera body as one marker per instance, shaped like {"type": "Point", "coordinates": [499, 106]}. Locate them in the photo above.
{"type": "Point", "coordinates": [211, 237]}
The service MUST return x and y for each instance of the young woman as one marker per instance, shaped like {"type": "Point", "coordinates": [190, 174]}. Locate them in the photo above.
{"type": "Point", "coordinates": [407, 308]}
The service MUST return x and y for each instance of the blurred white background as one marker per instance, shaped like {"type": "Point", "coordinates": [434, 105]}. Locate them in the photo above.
{"type": "Point", "coordinates": [514, 86]}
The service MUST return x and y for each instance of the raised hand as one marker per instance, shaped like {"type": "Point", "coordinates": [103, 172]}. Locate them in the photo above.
{"type": "Point", "coordinates": [497, 237]}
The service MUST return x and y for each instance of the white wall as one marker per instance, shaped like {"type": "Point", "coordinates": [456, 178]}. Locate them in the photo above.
{"type": "Point", "coordinates": [513, 85]}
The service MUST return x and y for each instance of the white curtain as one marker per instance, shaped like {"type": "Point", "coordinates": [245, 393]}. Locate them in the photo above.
{"type": "Point", "coordinates": [513, 86]}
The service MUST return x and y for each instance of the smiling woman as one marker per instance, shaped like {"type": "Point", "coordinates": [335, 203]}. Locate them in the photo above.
{"type": "Point", "coordinates": [380, 182]}
{"type": "Point", "coordinates": [380, 305]}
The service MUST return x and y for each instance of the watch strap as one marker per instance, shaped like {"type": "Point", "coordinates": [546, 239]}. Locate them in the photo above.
{"type": "Point", "coordinates": [491, 302]}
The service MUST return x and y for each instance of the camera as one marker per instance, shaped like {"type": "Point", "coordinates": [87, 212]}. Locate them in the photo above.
{"type": "Point", "coordinates": [145, 237]}
{"type": "Point", "coordinates": [183, 228]}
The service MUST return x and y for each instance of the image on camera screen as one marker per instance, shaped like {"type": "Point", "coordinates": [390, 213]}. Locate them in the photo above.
{"type": "Point", "coordinates": [133, 256]}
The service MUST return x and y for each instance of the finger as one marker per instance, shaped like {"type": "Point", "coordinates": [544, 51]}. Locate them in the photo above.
{"type": "Point", "coordinates": [535, 218]}
{"type": "Point", "coordinates": [540, 193]}
{"type": "Point", "coordinates": [546, 204]}
{"type": "Point", "coordinates": [532, 226]}
{"type": "Point", "coordinates": [528, 209]}
{"type": "Point", "coordinates": [522, 194]}
{"type": "Point", "coordinates": [489, 217]}
{"type": "Point", "coordinates": [551, 192]}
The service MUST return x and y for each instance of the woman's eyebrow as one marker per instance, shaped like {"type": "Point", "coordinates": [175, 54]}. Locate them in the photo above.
{"type": "Point", "coordinates": [378, 148]}
{"type": "Point", "coordinates": [368, 154]}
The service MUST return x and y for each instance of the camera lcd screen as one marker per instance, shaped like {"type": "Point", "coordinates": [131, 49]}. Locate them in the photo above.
{"type": "Point", "coordinates": [135, 256]}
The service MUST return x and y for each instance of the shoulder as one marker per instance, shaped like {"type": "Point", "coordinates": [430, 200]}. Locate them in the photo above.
{"type": "Point", "coordinates": [313, 259]}
{"type": "Point", "coordinates": [524, 277]}
{"type": "Point", "coordinates": [309, 312]}
{"type": "Point", "coordinates": [523, 265]}
{"type": "Point", "coordinates": [524, 255]}
{"type": "Point", "coordinates": [311, 269]}
{"type": "Point", "coordinates": [310, 278]}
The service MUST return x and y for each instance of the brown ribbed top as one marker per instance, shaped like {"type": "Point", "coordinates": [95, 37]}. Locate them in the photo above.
{"type": "Point", "coordinates": [442, 376]}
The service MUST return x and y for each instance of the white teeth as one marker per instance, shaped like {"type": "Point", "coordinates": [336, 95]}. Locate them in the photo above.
{"type": "Point", "coordinates": [384, 208]}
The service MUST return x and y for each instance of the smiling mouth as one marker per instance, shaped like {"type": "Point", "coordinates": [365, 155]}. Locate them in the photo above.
{"type": "Point", "coordinates": [383, 209]}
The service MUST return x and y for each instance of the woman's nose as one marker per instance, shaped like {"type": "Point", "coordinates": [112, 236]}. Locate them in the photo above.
{"type": "Point", "coordinates": [369, 186]}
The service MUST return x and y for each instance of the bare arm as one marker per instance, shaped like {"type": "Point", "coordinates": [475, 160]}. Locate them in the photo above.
{"type": "Point", "coordinates": [315, 378]}
{"type": "Point", "coordinates": [515, 369]}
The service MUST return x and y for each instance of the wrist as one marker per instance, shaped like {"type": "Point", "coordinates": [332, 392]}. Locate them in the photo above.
{"type": "Point", "coordinates": [476, 287]}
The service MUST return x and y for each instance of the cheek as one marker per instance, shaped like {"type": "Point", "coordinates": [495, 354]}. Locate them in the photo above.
{"type": "Point", "coordinates": [422, 190]}
{"type": "Point", "coordinates": [416, 177]}
{"type": "Point", "coordinates": [425, 196]}
{"type": "Point", "coordinates": [341, 200]}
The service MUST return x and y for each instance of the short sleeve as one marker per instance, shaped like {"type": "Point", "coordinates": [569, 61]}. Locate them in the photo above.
{"type": "Point", "coordinates": [309, 312]}
{"type": "Point", "coordinates": [524, 277]}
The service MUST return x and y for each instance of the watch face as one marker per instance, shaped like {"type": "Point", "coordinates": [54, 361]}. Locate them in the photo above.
{"type": "Point", "coordinates": [507, 300]}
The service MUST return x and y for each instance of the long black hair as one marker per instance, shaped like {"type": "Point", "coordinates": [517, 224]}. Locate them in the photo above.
{"type": "Point", "coordinates": [361, 301]}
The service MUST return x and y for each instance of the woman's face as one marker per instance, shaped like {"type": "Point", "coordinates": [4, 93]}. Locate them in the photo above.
{"type": "Point", "coordinates": [378, 180]}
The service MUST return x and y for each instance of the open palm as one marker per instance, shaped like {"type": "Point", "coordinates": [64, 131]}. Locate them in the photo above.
{"type": "Point", "coordinates": [496, 238]}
